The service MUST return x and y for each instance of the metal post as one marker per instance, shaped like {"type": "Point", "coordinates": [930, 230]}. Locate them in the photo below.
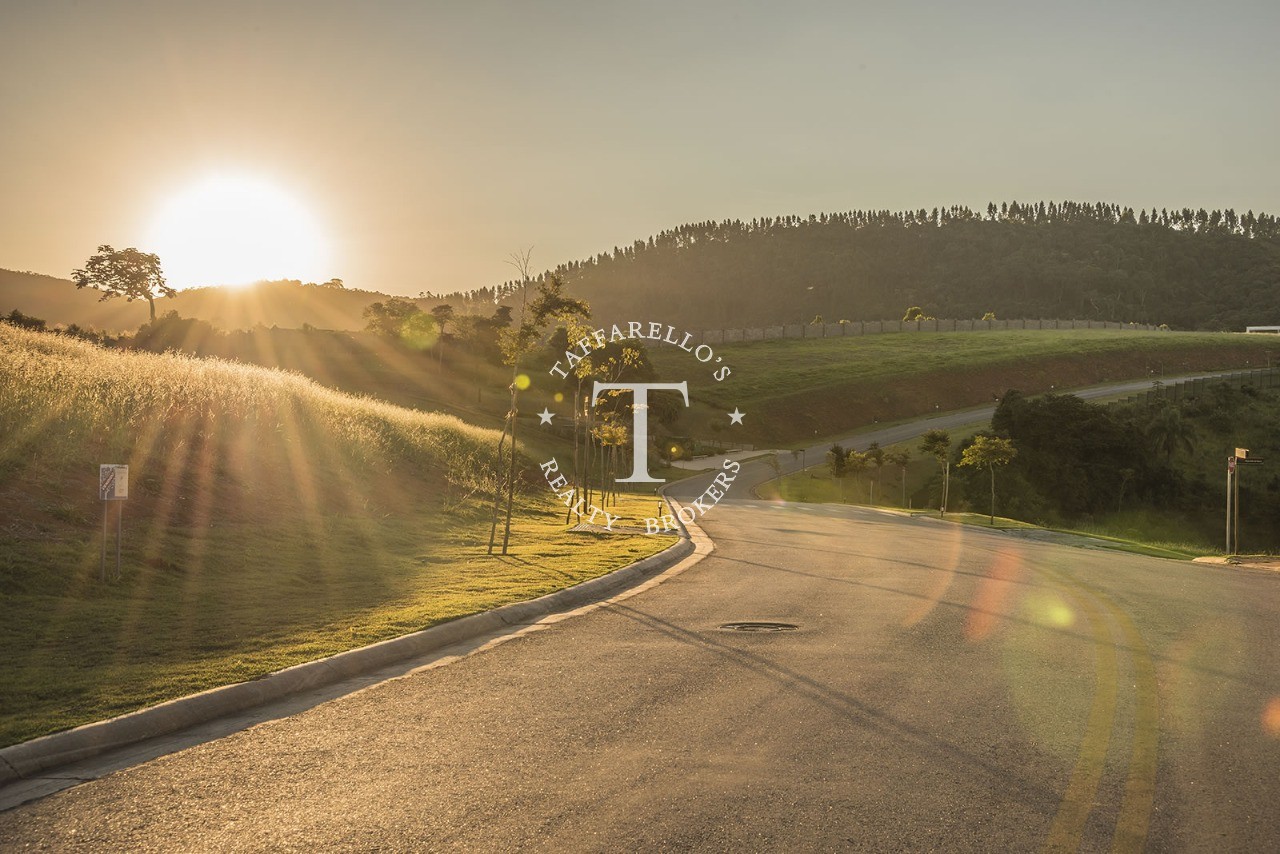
{"type": "Point", "coordinates": [946, 485]}
{"type": "Point", "coordinates": [102, 570]}
{"type": "Point", "coordinates": [1235, 525]}
{"type": "Point", "coordinates": [119, 534]}
{"type": "Point", "coordinates": [1231, 464]}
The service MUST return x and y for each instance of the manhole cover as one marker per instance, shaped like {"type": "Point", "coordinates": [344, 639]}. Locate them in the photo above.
{"type": "Point", "coordinates": [756, 626]}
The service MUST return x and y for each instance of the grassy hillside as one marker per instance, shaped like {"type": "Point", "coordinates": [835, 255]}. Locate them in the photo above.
{"type": "Point", "coordinates": [797, 390]}
{"type": "Point", "coordinates": [271, 521]}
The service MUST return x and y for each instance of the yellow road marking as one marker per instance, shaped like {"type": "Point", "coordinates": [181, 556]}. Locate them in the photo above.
{"type": "Point", "coordinates": [1140, 788]}
{"type": "Point", "coordinates": [1077, 802]}
{"type": "Point", "coordinates": [1138, 800]}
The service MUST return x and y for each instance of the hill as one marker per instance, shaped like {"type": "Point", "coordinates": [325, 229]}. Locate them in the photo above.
{"type": "Point", "coordinates": [59, 302]}
{"type": "Point", "coordinates": [270, 521]}
{"type": "Point", "coordinates": [1214, 270]}
{"type": "Point", "coordinates": [287, 304]}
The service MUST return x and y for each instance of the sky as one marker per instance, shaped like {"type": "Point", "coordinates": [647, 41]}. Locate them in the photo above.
{"type": "Point", "coordinates": [429, 141]}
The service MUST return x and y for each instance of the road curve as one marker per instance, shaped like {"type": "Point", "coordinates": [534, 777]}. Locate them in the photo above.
{"type": "Point", "coordinates": [945, 688]}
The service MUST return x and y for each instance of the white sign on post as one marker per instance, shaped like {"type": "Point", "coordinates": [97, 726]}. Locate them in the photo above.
{"type": "Point", "coordinates": [113, 482]}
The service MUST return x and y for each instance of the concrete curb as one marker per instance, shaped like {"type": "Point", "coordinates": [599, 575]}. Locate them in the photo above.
{"type": "Point", "coordinates": [20, 761]}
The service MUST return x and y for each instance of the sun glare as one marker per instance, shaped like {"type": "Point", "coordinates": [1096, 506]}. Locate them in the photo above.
{"type": "Point", "coordinates": [235, 230]}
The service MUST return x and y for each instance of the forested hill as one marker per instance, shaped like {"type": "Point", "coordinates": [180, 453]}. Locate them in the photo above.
{"type": "Point", "coordinates": [1189, 269]}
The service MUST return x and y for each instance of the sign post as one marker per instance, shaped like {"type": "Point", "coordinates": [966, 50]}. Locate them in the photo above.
{"type": "Point", "coordinates": [1240, 458]}
{"type": "Point", "coordinates": [1231, 477]}
{"type": "Point", "coordinates": [113, 485]}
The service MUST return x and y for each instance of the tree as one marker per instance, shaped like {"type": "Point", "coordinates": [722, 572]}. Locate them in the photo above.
{"type": "Point", "coordinates": [608, 364]}
{"type": "Point", "coordinates": [775, 465]}
{"type": "Point", "coordinates": [1168, 433]}
{"type": "Point", "coordinates": [388, 318]}
{"type": "Point", "coordinates": [856, 463]}
{"type": "Point", "coordinates": [126, 273]}
{"type": "Point", "coordinates": [517, 343]}
{"type": "Point", "coordinates": [937, 444]}
{"type": "Point", "coordinates": [838, 463]}
{"type": "Point", "coordinates": [26, 321]}
{"type": "Point", "coordinates": [989, 451]}
{"type": "Point", "coordinates": [900, 458]}
{"type": "Point", "coordinates": [443, 313]}
{"type": "Point", "coordinates": [875, 458]}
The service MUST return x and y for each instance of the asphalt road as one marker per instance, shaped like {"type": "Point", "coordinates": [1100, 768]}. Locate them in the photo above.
{"type": "Point", "coordinates": [946, 689]}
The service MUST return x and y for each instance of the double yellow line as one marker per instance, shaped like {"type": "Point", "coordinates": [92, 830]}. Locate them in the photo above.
{"type": "Point", "coordinates": [1067, 830]}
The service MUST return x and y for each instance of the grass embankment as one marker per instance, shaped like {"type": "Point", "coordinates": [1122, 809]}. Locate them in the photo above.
{"type": "Point", "coordinates": [794, 391]}
{"type": "Point", "coordinates": [1134, 533]}
{"type": "Point", "coordinates": [270, 521]}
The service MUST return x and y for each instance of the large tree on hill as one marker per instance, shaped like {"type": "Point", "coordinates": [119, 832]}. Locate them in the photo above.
{"type": "Point", "coordinates": [127, 273]}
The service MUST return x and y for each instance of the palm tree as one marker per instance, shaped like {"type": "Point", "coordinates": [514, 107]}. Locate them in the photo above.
{"type": "Point", "coordinates": [838, 463]}
{"type": "Point", "coordinates": [855, 463]}
{"type": "Point", "coordinates": [937, 443]}
{"type": "Point", "coordinates": [900, 458]}
{"type": "Point", "coordinates": [1168, 433]}
{"type": "Point", "coordinates": [875, 457]}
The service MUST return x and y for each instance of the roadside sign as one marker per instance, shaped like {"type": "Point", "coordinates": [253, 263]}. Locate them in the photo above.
{"type": "Point", "coordinates": [1242, 453]}
{"type": "Point", "coordinates": [1231, 464]}
{"type": "Point", "coordinates": [113, 482]}
{"type": "Point", "coordinates": [113, 485]}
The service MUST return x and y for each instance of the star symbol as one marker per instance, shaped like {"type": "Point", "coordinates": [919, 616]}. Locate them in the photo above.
{"type": "Point", "coordinates": [546, 415]}
{"type": "Point", "coordinates": [735, 417]}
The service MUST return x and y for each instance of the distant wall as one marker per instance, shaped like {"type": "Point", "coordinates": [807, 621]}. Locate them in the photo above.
{"type": "Point", "coordinates": [1178, 390]}
{"type": "Point", "coordinates": [878, 327]}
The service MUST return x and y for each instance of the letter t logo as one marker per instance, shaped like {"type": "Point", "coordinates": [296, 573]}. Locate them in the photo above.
{"type": "Point", "coordinates": [640, 423]}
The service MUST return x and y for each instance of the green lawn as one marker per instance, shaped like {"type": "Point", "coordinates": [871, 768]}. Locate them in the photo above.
{"type": "Point", "coordinates": [270, 521]}
{"type": "Point", "coordinates": [200, 608]}
{"type": "Point", "coordinates": [794, 390]}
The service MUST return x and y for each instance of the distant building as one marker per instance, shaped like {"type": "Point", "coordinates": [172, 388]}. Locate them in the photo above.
{"type": "Point", "coordinates": [1274, 330]}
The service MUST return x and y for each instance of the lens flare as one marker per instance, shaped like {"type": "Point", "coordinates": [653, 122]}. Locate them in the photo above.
{"type": "Point", "coordinates": [1048, 609]}
{"type": "Point", "coordinates": [991, 601]}
{"type": "Point", "coordinates": [419, 332]}
{"type": "Point", "coordinates": [522, 381]}
{"type": "Point", "coordinates": [1271, 718]}
{"type": "Point", "coordinates": [942, 580]}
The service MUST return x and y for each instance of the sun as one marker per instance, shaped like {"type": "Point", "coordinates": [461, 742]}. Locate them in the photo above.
{"type": "Point", "coordinates": [233, 229]}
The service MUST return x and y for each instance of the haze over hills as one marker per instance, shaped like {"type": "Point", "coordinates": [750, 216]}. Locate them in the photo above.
{"type": "Point", "coordinates": [1191, 269]}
